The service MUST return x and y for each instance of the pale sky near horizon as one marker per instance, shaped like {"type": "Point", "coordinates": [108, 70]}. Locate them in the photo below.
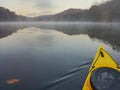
{"type": "Point", "coordinates": [43, 7]}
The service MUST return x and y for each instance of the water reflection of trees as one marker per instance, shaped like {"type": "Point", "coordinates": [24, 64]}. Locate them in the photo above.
{"type": "Point", "coordinates": [6, 30]}
{"type": "Point", "coordinates": [106, 34]}
{"type": "Point", "coordinates": [109, 33]}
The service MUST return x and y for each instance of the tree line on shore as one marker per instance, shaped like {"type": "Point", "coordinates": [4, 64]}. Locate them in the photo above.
{"type": "Point", "coordinates": [108, 11]}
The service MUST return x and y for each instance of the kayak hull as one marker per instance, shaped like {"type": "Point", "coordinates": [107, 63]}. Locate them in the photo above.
{"type": "Point", "coordinates": [101, 60]}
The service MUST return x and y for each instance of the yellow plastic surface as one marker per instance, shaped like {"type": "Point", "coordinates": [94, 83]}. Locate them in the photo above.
{"type": "Point", "coordinates": [104, 60]}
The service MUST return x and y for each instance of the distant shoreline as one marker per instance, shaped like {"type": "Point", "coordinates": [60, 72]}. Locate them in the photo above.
{"type": "Point", "coordinates": [54, 23]}
{"type": "Point", "coordinates": [105, 12]}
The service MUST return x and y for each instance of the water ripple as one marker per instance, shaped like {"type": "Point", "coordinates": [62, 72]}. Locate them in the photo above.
{"type": "Point", "coordinates": [59, 82]}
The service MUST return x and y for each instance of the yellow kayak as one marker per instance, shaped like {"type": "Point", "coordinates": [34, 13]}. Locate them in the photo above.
{"type": "Point", "coordinates": [104, 73]}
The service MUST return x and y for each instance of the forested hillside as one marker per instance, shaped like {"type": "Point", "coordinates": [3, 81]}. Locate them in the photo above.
{"type": "Point", "coordinates": [7, 15]}
{"type": "Point", "coordinates": [108, 12]}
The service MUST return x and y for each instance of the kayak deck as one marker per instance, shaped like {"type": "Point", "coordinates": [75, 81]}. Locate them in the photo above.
{"type": "Point", "coordinates": [102, 71]}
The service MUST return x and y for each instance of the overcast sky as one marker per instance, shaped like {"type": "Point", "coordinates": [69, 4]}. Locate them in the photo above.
{"type": "Point", "coordinates": [43, 7]}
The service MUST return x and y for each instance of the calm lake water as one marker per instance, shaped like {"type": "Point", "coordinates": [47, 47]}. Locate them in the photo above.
{"type": "Point", "coordinates": [52, 56]}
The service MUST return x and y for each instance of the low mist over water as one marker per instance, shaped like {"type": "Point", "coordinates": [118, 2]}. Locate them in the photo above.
{"type": "Point", "coordinates": [54, 55]}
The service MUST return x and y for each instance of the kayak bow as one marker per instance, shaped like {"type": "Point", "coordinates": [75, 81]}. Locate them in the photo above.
{"type": "Point", "coordinates": [104, 73]}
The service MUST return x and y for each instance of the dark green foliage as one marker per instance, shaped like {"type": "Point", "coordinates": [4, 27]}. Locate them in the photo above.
{"type": "Point", "coordinates": [108, 11]}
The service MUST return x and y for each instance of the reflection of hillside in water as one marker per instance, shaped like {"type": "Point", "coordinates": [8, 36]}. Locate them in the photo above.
{"type": "Point", "coordinates": [108, 33]}
{"type": "Point", "coordinates": [6, 30]}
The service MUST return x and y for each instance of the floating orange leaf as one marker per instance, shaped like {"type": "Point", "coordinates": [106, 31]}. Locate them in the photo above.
{"type": "Point", "coordinates": [12, 81]}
